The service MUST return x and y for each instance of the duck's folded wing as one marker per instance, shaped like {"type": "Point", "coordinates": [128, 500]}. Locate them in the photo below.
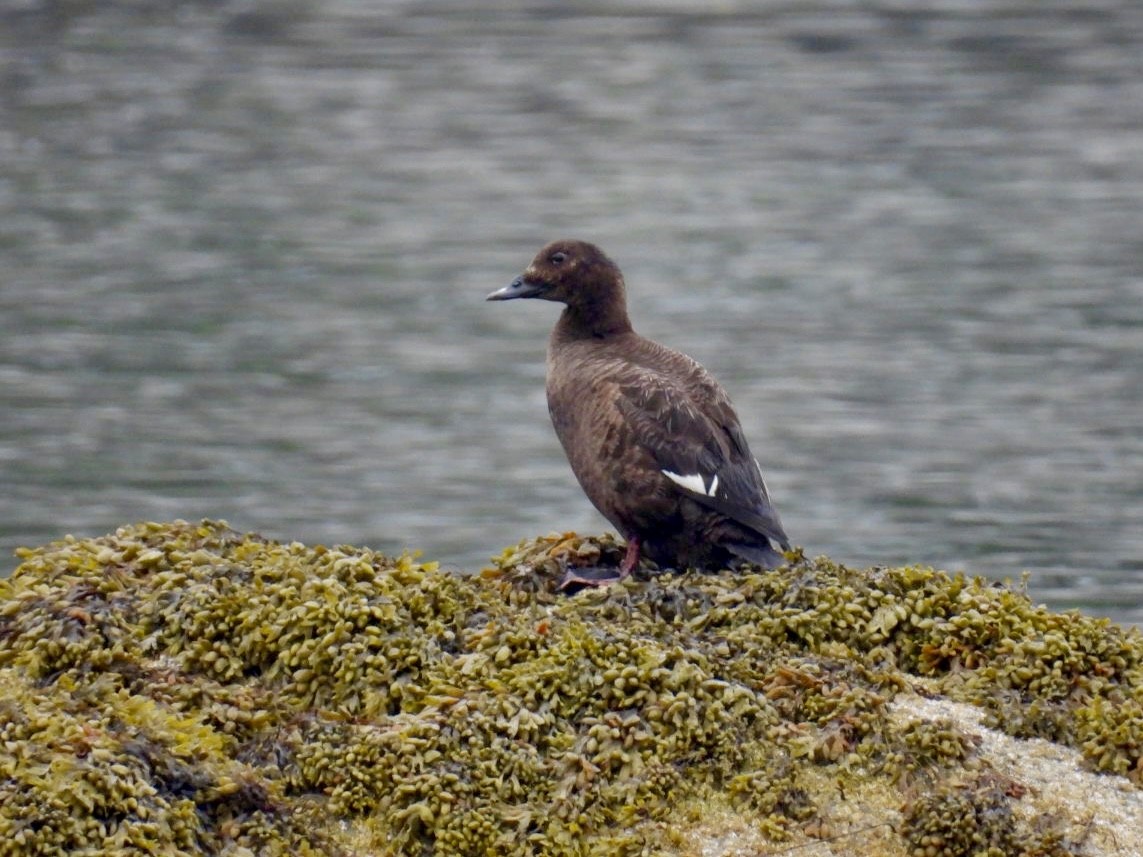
{"type": "Point", "coordinates": [700, 448]}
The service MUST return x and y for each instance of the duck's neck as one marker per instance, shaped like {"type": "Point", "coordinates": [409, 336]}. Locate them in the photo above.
{"type": "Point", "coordinates": [597, 321]}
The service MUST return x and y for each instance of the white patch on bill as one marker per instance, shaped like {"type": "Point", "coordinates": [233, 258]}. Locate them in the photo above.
{"type": "Point", "coordinates": [693, 482]}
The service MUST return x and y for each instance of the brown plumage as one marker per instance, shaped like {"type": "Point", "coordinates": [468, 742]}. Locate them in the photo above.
{"type": "Point", "coordinates": [651, 436]}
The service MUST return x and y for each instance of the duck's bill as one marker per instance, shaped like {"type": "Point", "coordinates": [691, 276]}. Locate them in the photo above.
{"type": "Point", "coordinates": [518, 288]}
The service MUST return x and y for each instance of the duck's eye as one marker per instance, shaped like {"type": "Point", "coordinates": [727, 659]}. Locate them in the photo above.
{"type": "Point", "coordinates": [558, 258]}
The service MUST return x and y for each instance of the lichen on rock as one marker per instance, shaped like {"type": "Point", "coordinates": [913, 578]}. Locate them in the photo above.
{"type": "Point", "coordinates": [190, 689]}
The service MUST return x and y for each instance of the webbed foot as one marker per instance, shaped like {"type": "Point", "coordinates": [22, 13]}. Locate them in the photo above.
{"type": "Point", "coordinates": [575, 579]}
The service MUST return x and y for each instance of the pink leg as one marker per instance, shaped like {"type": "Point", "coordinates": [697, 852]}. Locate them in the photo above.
{"type": "Point", "coordinates": [631, 558]}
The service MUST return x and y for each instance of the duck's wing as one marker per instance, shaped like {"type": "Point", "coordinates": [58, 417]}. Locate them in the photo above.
{"type": "Point", "coordinates": [693, 434]}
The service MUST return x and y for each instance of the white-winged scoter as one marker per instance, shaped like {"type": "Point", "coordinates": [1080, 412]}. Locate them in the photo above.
{"type": "Point", "coordinates": [651, 436]}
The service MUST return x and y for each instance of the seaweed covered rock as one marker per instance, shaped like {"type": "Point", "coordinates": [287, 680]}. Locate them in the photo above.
{"type": "Point", "coordinates": [188, 689]}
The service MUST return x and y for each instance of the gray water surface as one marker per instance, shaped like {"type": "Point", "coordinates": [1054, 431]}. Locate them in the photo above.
{"type": "Point", "coordinates": [245, 247]}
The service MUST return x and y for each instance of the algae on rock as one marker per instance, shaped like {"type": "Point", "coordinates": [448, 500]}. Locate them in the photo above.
{"type": "Point", "coordinates": [189, 689]}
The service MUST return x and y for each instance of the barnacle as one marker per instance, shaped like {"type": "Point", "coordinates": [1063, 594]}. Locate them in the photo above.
{"type": "Point", "coordinates": [188, 688]}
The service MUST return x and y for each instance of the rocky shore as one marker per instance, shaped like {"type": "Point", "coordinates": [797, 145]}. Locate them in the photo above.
{"type": "Point", "coordinates": [184, 688]}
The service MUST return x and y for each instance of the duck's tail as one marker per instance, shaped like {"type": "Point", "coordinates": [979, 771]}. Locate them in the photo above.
{"type": "Point", "coordinates": [761, 554]}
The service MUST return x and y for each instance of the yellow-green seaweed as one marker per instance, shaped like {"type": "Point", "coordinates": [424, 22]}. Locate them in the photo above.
{"type": "Point", "coordinates": [187, 689]}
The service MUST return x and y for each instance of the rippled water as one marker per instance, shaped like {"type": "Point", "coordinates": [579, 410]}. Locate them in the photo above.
{"type": "Point", "coordinates": [245, 248]}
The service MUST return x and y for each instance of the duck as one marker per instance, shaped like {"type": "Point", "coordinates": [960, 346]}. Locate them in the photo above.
{"type": "Point", "coordinates": [651, 436]}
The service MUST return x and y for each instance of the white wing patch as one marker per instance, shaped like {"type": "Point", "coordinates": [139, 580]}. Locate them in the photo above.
{"type": "Point", "coordinates": [693, 482]}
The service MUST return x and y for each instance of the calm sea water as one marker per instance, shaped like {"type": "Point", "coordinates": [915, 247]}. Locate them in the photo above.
{"type": "Point", "coordinates": [245, 247]}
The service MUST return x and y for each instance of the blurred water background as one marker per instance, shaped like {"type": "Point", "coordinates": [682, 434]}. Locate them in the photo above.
{"type": "Point", "coordinates": [244, 249]}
